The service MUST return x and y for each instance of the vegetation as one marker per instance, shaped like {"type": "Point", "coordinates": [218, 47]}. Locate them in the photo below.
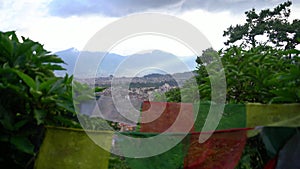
{"type": "Point", "coordinates": [258, 71]}
{"type": "Point", "coordinates": [261, 74]}
{"type": "Point", "coordinates": [260, 60]}
{"type": "Point", "coordinates": [270, 25]}
{"type": "Point", "coordinates": [31, 97]}
{"type": "Point", "coordinates": [261, 63]}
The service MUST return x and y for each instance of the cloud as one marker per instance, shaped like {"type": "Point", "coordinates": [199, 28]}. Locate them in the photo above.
{"type": "Point", "coordinates": [117, 8]}
{"type": "Point", "coordinates": [113, 8]}
{"type": "Point", "coordinates": [234, 6]}
{"type": "Point", "coordinates": [65, 24]}
{"type": "Point", "coordinates": [16, 14]}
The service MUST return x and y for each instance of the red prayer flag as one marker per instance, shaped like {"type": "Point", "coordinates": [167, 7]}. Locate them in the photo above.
{"type": "Point", "coordinates": [222, 150]}
{"type": "Point", "coordinates": [166, 117]}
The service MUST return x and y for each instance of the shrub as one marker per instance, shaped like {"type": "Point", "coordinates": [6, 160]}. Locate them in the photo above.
{"type": "Point", "coordinates": [31, 97]}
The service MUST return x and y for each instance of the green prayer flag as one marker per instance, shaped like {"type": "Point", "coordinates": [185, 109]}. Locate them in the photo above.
{"type": "Point", "coordinates": [233, 116]}
{"type": "Point", "coordinates": [171, 159]}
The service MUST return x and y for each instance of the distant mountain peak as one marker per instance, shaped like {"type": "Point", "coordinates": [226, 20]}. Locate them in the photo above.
{"type": "Point", "coordinates": [111, 61]}
{"type": "Point", "coordinates": [74, 50]}
{"type": "Point", "coordinates": [144, 52]}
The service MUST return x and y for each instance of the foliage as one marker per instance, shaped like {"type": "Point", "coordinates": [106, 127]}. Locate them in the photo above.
{"type": "Point", "coordinates": [173, 95]}
{"type": "Point", "coordinates": [159, 97]}
{"type": "Point", "coordinates": [264, 71]}
{"type": "Point", "coordinates": [208, 58]}
{"type": "Point", "coordinates": [31, 97]}
{"type": "Point", "coordinates": [117, 162]}
{"type": "Point", "coordinates": [254, 155]}
{"type": "Point", "coordinates": [261, 74]}
{"type": "Point", "coordinates": [270, 24]}
{"type": "Point", "coordinates": [258, 71]}
{"type": "Point", "coordinates": [187, 93]}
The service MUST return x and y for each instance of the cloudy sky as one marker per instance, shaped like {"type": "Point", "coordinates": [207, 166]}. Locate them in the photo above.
{"type": "Point", "coordinates": [62, 24]}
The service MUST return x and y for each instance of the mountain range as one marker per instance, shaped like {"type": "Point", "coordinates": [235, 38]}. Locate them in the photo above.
{"type": "Point", "coordinates": [111, 61]}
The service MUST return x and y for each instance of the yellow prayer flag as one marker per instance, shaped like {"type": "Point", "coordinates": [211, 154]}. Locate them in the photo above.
{"type": "Point", "coordinates": [65, 148]}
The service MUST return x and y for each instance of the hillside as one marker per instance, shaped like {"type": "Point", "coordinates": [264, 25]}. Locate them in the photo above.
{"type": "Point", "coordinates": [111, 61]}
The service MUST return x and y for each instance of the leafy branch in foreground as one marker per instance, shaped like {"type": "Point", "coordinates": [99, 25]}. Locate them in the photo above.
{"type": "Point", "coordinates": [31, 97]}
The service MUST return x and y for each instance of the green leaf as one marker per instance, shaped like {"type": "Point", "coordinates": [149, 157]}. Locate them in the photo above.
{"type": "Point", "coordinates": [46, 85]}
{"type": "Point", "coordinates": [282, 99]}
{"type": "Point", "coordinates": [54, 67]}
{"type": "Point", "coordinates": [35, 93]}
{"type": "Point", "coordinates": [65, 121]}
{"type": "Point", "coordinates": [6, 119]}
{"type": "Point", "coordinates": [51, 59]}
{"type": "Point", "coordinates": [22, 144]}
{"type": "Point", "coordinates": [6, 46]}
{"type": "Point", "coordinates": [66, 106]}
{"type": "Point", "coordinates": [39, 115]}
{"type": "Point", "coordinates": [25, 48]}
{"type": "Point", "coordinates": [57, 85]}
{"type": "Point", "coordinates": [99, 89]}
{"type": "Point", "coordinates": [20, 124]}
{"type": "Point", "coordinates": [27, 79]}
{"type": "Point", "coordinates": [49, 99]}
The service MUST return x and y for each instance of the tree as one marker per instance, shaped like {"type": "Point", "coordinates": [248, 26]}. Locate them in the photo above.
{"type": "Point", "coordinates": [270, 24]}
{"type": "Point", "coordinates": [207, 57]}
{"type": "Point", "coordinates": [266, 71]}
{"type": "Point", "coordinates": [261, 75]}
{"type": "Point", "coordinates": [173, 95]}
{"type": "Point", "coordinates": [257, 71]}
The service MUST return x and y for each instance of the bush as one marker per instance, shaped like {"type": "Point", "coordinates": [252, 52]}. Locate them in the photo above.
{"type": "Point", "coordinates": [31, 97]}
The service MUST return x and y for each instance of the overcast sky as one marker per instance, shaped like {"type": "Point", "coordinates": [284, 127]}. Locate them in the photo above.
{"type": "Point", "coordinates": [62, 24]}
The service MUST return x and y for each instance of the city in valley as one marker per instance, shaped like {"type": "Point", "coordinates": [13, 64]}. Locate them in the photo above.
{"type": "Point", "coordinates": [140, 88]}
{"type": "Point", "coordinates": [135, 90]}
